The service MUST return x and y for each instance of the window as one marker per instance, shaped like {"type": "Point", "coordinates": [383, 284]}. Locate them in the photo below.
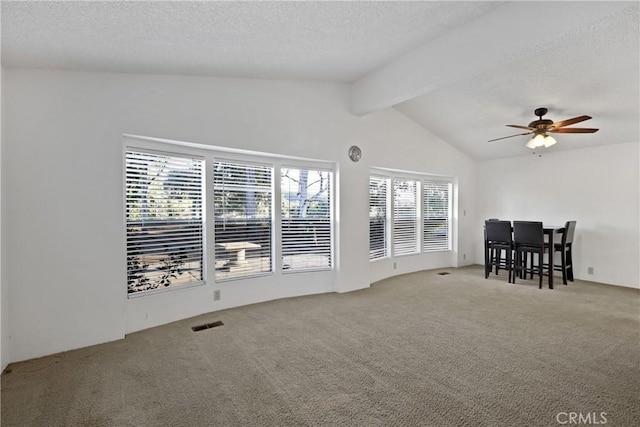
{"type": "Point", "coordinates": [242, 208]}
{"type": "Point", "coordinates": [164, 223]}
{"type": "Point", "coordinates": [378, 240]}
{"type": "Point", "coordinates": [405, 216]}
{"type": "Point", "coordinates": [172, 199]}
{"type": "Point", "coordinates": [435, 216]}
{"type": "Point", "coordinates": [420, 221]}
{"type": "Point", "coordinates": [306, 219]}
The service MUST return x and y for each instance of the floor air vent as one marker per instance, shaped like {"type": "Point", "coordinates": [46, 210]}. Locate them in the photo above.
{"type": "Point", "coordinates": [206, 326]}
{"type": "Point", "coordinates": [444, 273]}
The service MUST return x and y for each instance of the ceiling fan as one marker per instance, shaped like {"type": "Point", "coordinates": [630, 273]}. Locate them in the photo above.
{"type": "Point", "coordinates": [539, 128]}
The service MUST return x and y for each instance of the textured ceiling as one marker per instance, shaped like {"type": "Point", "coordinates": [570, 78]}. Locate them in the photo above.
{"type": "Point", "coordinates": [579, 62]}
{"type": "Point", "coordinates": [593, 71]}
{"type": "Point", "coordinates": [337, 41]}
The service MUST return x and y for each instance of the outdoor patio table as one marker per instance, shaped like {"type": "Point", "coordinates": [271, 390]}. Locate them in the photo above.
{"type": "Point", "coordinates": [239, 249]}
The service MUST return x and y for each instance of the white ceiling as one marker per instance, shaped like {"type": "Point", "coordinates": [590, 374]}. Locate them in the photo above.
{"type": "Point", "coordinates": [463, 70]}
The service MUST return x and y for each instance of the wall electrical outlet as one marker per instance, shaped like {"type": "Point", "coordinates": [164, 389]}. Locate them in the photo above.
{"type": "Point", "coordinates": [464, 256]}
{"type": "Point", "coordinates": [395, 265]}
{"type": "Point", "coordinates": [216, 295]}
{"type": "Point", "coordinates": [589, 270]}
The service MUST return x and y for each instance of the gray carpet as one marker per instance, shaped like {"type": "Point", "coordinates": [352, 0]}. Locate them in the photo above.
{"type": "Point", "coordinates": [415, 350]}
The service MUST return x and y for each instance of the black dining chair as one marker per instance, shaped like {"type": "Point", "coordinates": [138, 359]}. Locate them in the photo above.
{"type": "Point", "coordinates": [528, 239]}
{"type": "Point", "coordinates": [565, 248]}
{"type": "Point", "coordinates": [487, 254]}
{"type": "Point", "coordinates": [498, 238]}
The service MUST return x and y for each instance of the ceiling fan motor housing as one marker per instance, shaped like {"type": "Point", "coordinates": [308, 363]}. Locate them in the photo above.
{"type": "Point", "coordinates": [541, 124]}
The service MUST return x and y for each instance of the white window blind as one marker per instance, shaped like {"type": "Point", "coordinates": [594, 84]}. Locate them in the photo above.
{"type": "Point", "coordinates": [243, 227]}
{"type": "Point", "coordinates": [163, 220]}
{"type": "Point", "coordinates": [405, 216]}
{"type": "Point", "coordinates": [306, 219]}
{"type": "Point", "coordinates": [436, 216]}
{"type": "Point", "coordinates": [378, 240]}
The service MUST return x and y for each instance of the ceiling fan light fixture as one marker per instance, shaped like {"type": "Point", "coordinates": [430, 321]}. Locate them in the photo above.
{"type": "Point", "coordinates": [549, 141]}
{"type": "Point", "coordinates": [536, 141]}
{"type": "Point", "coordinates": [540, 140]}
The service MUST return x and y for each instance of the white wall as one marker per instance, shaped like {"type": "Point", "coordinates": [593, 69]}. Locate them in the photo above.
{"type": "Point", "coordinates": [4, 349]}
{"type": "Point", "coordinates": [440, 158]}
{"type": "Point", "coordinates": [598, 187]}
{"type": "Point", "coordinates": [63, 190]}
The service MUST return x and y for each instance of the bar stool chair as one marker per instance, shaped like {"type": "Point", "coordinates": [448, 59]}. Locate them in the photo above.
{"type": "Point", "coordinates": [498, 238]}
{"type": "Point", "coordinates": [565, 249]}
{"type": "Point", "coordinates": [528, 239]}
{"type": "Point", "coordinates": [487, 255]}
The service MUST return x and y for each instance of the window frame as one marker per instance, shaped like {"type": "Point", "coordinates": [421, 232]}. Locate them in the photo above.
{"type": "Point", "coordinates": [309, 166]}
{"type": "Point", "coordinates": [425, 183]}
{"type": "Point", "coordinates": [386, 247]}
{"type": "Point", "coordinates": [230, 160]}
{"type": "Point", "coordinates": [417, 217]}
{"type": "Point", "coordinates": [142, 149]}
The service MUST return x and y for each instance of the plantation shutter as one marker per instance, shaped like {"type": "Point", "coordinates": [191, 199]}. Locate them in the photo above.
{"type": "Point", "coordinates": [436, 216]}
{"type": "Point", "coordinates": [242, 208]}
{"type": "Point", "coordinates": [405, 216]}
{"type": "Point", "coordinates": [164, 222]}
{"type": "Point", "coordinates": [306, 219]}
{"type": "Point", "coordinates": [378, 187]}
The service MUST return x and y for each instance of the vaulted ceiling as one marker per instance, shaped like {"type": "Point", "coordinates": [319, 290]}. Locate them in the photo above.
{"type": "Point", "coordinates": [463, 70]}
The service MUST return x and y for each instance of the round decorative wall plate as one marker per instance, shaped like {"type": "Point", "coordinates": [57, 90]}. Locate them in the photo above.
{"type": "Point", "coordinates": [355, 153]}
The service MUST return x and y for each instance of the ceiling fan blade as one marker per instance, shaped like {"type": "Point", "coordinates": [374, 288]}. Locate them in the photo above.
{"type": "Point", "coordinates": [521, 127]}
{"type": "Point", "coordinates": [574, 130]}
{"type": "Point", "coordinates": [510, 136]}
{"type": "Point", "coordinates": [568, 122]}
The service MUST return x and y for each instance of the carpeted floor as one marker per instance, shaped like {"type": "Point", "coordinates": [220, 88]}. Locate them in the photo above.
{"type": "Point", "coordinates": [416, 350]}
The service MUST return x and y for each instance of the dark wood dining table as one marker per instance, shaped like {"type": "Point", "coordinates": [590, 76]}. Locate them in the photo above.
{"type": "Point", "coordinates": [552, 232]}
